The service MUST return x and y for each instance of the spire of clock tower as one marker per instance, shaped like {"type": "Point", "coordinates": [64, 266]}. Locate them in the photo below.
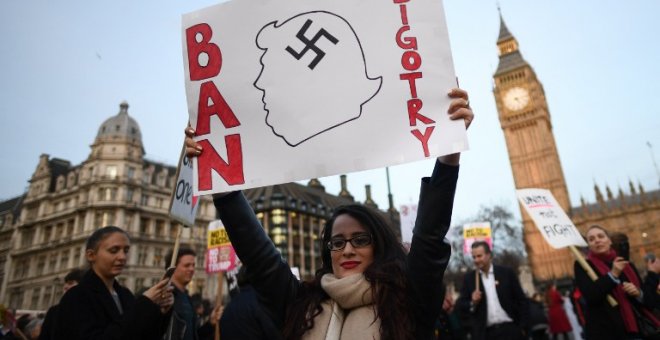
{"type": "Point", "coordinates": [510, 57]}
{"type": "Point", "coordinates": [504, 31]}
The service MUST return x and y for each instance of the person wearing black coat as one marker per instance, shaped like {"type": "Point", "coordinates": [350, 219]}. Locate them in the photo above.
{"type": "Point", "coordinates": [538, 319]}
{"type": "Point", "coordinates": [346, 299]}
{"type": "Point", "coordinates": [70, 280]}
{"type": "Point", "coordinates": [651, 285]}
{"type": "Point", "coordinates": [617, 278]}
{"type": "Point", "coordinates": [245, 319]}
{"type": "Point", "coordinates": [514, 323]}
{"type": "Point", "coordinates": [100, 308]}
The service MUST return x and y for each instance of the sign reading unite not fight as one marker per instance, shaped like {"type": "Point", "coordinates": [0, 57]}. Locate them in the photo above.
{"type": "Point", "coordinates": [285, 90]}
{"type": "Point", "coordinates": [550, 218]}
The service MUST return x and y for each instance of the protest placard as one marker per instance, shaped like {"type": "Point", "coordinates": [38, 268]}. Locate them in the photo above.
{"type": "Point", "coordinates": [473, 232]}
{"type": "Point", "coordinates": [551, 220]}
{"type": "Point", "coordinates": [220, 255]}
{"type": "Point", "coordinates": [285, 90]}
{"type": "Point", "coordinates": [408, 215]}
{"type": "Point", "coordinates": [183, 204]}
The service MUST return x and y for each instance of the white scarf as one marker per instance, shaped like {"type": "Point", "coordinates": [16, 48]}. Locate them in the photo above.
{"type": "Point", "coordinates": [349, 313]}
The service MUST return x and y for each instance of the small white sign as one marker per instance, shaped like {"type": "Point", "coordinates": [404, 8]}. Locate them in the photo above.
{"type": "Point", "coordinates": [551, 220]}
{"type": "Point", "coordinates": [183, 206]}
{"type": "Point", "coordinates": [408, 213]}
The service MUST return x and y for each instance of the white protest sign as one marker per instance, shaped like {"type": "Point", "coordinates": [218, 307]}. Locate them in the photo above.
{"type": "Point", "coordinates": [408, 215]}
{"type": "Point", "coordinates": [285, 90]}
{"type": "Point", "coordinates": [183, 206]}
{"type": "Point", "coordinates": [550, 218]}
{"type": "Point", "coordinates": [473, 232]}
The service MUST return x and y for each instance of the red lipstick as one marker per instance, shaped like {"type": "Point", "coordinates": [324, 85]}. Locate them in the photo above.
{"type": "Point", "coordinates": [349, 264]}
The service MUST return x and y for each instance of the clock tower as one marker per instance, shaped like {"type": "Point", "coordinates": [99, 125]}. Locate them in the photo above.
{"type": "Point", "coordinates": [525, 120]}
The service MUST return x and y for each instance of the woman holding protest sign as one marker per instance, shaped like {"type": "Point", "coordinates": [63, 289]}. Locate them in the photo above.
{"type": "Point", "coordinates": [617, 278]}
{"type": "Point", "coordinates": [367, 287]}
{"type": "Point", "coordinates": [100, 308]}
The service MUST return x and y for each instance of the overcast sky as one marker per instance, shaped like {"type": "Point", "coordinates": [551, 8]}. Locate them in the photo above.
{"type": "Point", "coordinates": [66, 66]}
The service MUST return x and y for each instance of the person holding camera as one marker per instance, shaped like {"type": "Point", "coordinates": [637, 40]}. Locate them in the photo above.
{"type": "Point", "coordinates": [616, 277]}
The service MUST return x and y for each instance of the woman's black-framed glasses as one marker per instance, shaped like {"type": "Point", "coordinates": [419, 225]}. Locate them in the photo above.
{"type": "Point", "coordinates": [359, 241]}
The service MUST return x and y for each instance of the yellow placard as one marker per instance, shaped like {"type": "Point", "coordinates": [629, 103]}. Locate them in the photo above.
{"type": "Point", "coordinates": [477, 232]}
{"type": "Point", "coordinates": [217, 238]}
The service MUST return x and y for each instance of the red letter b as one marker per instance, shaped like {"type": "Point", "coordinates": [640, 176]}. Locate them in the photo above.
{"type": "Point", "coordinates": [195, 49]}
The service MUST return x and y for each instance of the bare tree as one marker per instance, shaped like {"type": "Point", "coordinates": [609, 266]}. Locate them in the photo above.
{"type": "Point", "coordinates": [508, 246]}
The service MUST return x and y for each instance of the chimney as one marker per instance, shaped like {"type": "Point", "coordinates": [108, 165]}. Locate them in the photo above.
{"type": "Point", "coordinates": [344, 189]}
{"type": "Point", "coordinates": [369, 201]}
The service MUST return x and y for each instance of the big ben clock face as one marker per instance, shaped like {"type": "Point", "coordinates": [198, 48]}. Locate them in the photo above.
{"type": "Point", "coordinates": [516, 98]}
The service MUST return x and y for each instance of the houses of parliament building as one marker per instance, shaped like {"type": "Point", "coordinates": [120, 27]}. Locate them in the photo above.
{"type": "Point", "coordinates": [42, 232]}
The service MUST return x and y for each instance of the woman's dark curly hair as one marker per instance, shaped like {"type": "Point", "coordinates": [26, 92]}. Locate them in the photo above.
{"type": "Point", "coordinates": [386, 274]}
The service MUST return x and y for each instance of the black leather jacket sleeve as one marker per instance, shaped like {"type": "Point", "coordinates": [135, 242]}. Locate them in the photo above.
{"type": "Point", "coordinates": [427, 260]}
{"type": "Point", "coordinates": [268, 273]}
{"type": "Point", "coordinates": [429, 252]}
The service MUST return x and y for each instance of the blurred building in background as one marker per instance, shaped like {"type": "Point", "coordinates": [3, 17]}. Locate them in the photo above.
{"type": "Point", "coordinates": [43, 232]}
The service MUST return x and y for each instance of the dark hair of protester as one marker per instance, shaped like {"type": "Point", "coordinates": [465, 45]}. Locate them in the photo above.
{"type": "Point", "coordinates": [483, 244]}
{"type": "Point", "coordinates": [386, 273]}
{"type": "Point", "coordinates": [182, 252]}
{"type": "Point", "coordinates": [99, 235]}
{"type": "Point", "coordinates": [596, 226]}
{"type": "Point", "coordinates": [74, 275]}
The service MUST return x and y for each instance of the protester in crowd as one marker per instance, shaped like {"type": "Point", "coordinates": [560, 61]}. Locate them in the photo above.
{"type": "Point", "coordinates": [538, 320]}
{"type": "Point", "coordinates": [651, 287]}
{"type": "Point", "coordinates": [572, 317]}
{"type": "Point", "coordinates": [201, 314]}
{"type": "Point", "coordinates": [498, 306]}
{"type": "Point", "coordinates": [7, 322]}
{"type": "Point", "coordinates": [18, 330]}
{"type": "Point", "coordinates": [244, 318]}
{"type": "Point", "coordinates": [366, 288]}
{"type": "Point", "coordinates": [447, 326]}
{"type": "Point", "coordinates": [557, 318]}
{"type": "Point", "coordinates": [617, 278]}
{"type": "Point", "coordinates": [183, 323]}
{"type": "Point", "coordinates": [100, 308]}
{"type": "Point", "coordinates": [71, 279]}
{"type": "Point", "coordinates": [33, 328]}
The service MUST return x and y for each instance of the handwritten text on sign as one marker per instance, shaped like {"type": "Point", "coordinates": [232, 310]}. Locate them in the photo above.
{"type": "Point", "coordinates": [184, 205]}
{"type": "Point", "coordinates": [550, 218]}
{"type": "Point", "coordinates": [271, 82]}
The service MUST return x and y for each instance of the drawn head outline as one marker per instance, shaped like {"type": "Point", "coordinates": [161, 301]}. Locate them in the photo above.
{"type": "Point", "coordinates": [313, 76]}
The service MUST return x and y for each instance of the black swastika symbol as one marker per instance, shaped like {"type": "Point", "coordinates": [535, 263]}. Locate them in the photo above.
{"type": "Point", "coordinates": [310, 44]}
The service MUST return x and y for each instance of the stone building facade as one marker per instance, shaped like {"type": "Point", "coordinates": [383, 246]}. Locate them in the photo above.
{"type": "Point", "coordinates": [43, 232]}
{"type": "Point", "coordinates": [65, 203]}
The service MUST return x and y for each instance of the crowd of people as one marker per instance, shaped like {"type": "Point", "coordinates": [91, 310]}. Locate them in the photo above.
{"type": "Point", "coordinates": [368, 287]}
